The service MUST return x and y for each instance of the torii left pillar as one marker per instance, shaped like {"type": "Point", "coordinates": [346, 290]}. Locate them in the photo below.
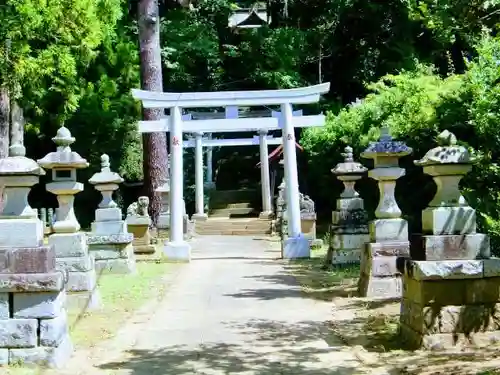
{"type": "Point", "coordinates": [200, 214]}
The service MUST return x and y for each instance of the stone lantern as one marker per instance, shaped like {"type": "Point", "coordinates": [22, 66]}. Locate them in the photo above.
{"type": "Point", "coordinates": [109, 242]}
{"type": "Point", "coordinates": [70, 244]}
{"type": "Point", "coordinates": [164, 217]}
{"type": "Point", "coordinates": [448, 212]}
{"type": "Point", "coordinates": [64, 164]}
{"type": "Point", "coordinates": [388, 232]}
{"type": "Point", "coordinates": [34, 327]}
{"type": "Point", "coordinates": [349, 230]}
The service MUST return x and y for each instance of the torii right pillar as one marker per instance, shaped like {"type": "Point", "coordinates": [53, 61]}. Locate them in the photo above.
{"type": "Point", "coordinates": [380, 277]}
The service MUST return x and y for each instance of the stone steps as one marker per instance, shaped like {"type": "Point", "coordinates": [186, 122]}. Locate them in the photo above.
{"type": "Point", "coordinates": [228, 212]}
{"type": "Point", "coordinates": [241, 227]}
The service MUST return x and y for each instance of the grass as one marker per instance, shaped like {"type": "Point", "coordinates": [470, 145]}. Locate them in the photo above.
{"type": "Point", "coordinates": [121, 296]}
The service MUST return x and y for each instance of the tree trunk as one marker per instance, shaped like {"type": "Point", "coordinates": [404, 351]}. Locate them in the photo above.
{"type": "Point", "coordinates": [4, 122]}
{"type": "Point", "coordinates": [16, 124]}
{"type": "Point", "coordinates": [154, 144]}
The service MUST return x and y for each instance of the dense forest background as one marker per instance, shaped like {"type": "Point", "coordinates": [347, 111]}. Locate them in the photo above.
{"type": "Point", "coordinates": [418, 66]}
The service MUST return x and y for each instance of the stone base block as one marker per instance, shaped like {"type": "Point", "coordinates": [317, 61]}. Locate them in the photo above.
{"type": "Point", "coordinates": [382, 230]}
{"type": "Point", "coordinates": [298, 247]}
{"type": "Point", "coordinates": [115, 266]}
{"type": "Point", "coordinates": [350, 204]}
{"type": "Point", "coordinates": [21, 232]}
{"type": "Point", "coordinates": [84, 300]}
{"type": "Point", "coordinates": [163, 221]}
{"type": "Point", "coordinates": [449, 220]}
{"type": "Point", "coordinates": [450, 247]}
{"type": "Point", "coordinates": [81, 281]}
{"type": "Point", "coordinates": [266, 215]}
{"type": "Point", "coordinates": [380, 287]}
{"type": "Point", "coordinates": [349, 241]}
{"type": "Point", "coordinates": [39, 259]}
{"type": "Point", "coordinates": [199, 217]}
{"type": "Point", "coordinates": [177, 251]}
{"type": "Point", "coordinates": [144, 249]}
{"type": "Point", "coordinates": [346, 256]}
{"type": "Point", "coordinates": [350, 219]}
{"type": "Point", "coordinates": [48, 305]}
{"type": "Point", "coordinates": [76, 264]}
{"type": "Point", "coordinates": [108, 227]}
{"type": "Point", "coordinates": [54, 357]}
{"type": "Point", "coordinates": [141, 221]}
{"type": "Point", "coordinates": [69, 244]}
{"type": "Point", "coordinates": [32, 282]}
{"type": "Point", "coordinates": [443, 341]}
{"type": "Point", "coordinates": [111, 251]}
{"type": "Point", "coordinates": [108, 214]}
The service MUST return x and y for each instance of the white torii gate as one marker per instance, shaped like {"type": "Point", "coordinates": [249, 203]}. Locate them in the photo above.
{"type": "Point", "coordinates": [200, 142]}
{"type": "Point", "coordinates": [296, 246]}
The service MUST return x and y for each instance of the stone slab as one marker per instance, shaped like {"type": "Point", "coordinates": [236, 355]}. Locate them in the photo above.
{"type": "Point", "coordinates": [342, 256]}
{"type": "Point", "coordinates": [76, 264]}
{"type": "Point", "coordinates": [448, 269]}
{"type": "Point", "coordinates": [349, 241]}
{"type": "Point", "coordinates": [53, 331]}
{"type": "Point", "coordinates": [80, 281]}
{"type": "Point", "coordinates": [389, 248]}
{"type": "Point", "coordinates": [108, 227]}
{"type": "Point", "coordinates": [112, 251]}
{"type": "Point", "coordinates": [450, 247]}
{"type": "Point", "coordinates": [122, 238]}
{"type": "Point", "coordinates": [108, 214]}
{"type": "Point", "coordinates": [450, 318]}
{"type": "Point", "coordinates": [449, 220]}
{"type": "Point", "coordinates": [179, 252]}
{"type": "Point", "coordinates": [491, 267]}
{"type": "Point", "coordinates": [382, 230]}
{"type": "Point", "coordinates": [32, 282]}
{"type": "Point", "coordinates": [38, 305]}
{"type": "Point", "coordinates": [4, 306]}
{"type": "Point", "coordinates": [383, 266]}
{"type": "Point", "coordinates": [21, 232]}
{"type": "Point", "coordinates": [43, 356]}
{"type": "Point", "coordinates": [40, 259]}
{"type": "Point", "coordinates": [379, 287]}
{"type": "Point", "coordinates": [445, 341]}
{"type": "Point", "coordinates": [69, 244]}
{"type": "Point", "coordinates": [115, 266]}
{"type": "Point", "coordinates": [350, 204]}
{"type": "Point", "coordinates": [351, 218]}
{"type": "Point", "coordinates": [18, 333]}
{"type": "Point", "coordinates": [144, 249]}
{"type": "Point", "coordinates": [138, 221]}
{"type": "Point", "coordinates": [84, 300]}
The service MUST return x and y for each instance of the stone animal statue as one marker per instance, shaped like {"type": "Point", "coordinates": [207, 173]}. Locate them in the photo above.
{"type": "Point", "coordinates": [306, 204]}
{"type": "Point", "coordinates": [139, 208]}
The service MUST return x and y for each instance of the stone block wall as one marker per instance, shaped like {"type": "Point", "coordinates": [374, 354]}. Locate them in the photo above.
{"type": "Point", "coordinates": [450, 302]}
{"type": "Point", "coordinates": [33, 320]}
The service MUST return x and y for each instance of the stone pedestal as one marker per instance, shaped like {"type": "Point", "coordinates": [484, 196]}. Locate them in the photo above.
{"type": "Point", "coordinates": [308, 226]}
{"type": "Point", "coordinates": [450, 286]}
{"type": "Point", "coordinates": [139, 227]}
{"type": "Point", "coordinates": [110, 243]}
{"type": "Point", "coordinates": [33, 320]}
{"type": "Point", "coordinates": [69, 244]}
{"type": "Point", "coordinates": [163, 225]}
{"type": "Point", "coordinates": [349, 230]}
{"type": "Point", "coordinates": [380, 277]}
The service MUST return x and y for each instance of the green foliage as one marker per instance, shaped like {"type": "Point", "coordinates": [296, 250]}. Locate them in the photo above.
{"type": "Point", "coordinates": [417, 105]}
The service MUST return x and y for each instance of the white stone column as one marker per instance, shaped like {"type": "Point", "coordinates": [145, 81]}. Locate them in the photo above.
{"type": "Point", "coordinates": [267, 208]}
{"type": "Point", "coordinates": [209, 177]}
{"type": "Point", "coordinates": [176, 248]}
{"type": "Point", "coordinates": [198, 165]}
{"type": "Point", "coordinates": [296, 246]}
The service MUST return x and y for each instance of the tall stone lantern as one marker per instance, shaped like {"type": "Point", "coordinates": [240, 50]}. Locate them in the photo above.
{"type": "Point", "coordinates": [349, 230]}
{"type": "Point", "coordinates": [64, 163]}
{"type": "Point", "coordinates": [70, 244]}
{"type": "Point", "coordinates": [388, 232]}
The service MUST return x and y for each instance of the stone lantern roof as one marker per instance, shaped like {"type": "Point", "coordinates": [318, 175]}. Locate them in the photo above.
{"type": "Point", "coordinates": [18, 164]}
{"type": "Point", "coordinates": [105, 176]}
{"type": "Point", "coordinates": [386, 146]}
{"type": "Point", "coordinates": [349, 166]}
{"type": "Point", "coordinates": [63, 157]}
{"type": "Point", "coordinates": [448, 152]}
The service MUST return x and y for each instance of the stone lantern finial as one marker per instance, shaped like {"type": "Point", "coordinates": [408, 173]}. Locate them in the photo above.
{"type": "Point", "coordinates": [106, 182]}
{"type": "Point", "coordinates": [63, 139]}
{"type": "Point", "coordinates": [347, 154]}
